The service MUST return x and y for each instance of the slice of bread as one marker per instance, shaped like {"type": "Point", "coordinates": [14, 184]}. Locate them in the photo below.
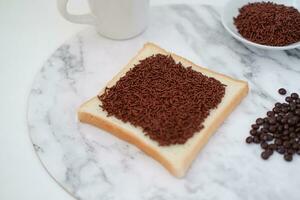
{"type": "Point", "coordinates": [176, 158]}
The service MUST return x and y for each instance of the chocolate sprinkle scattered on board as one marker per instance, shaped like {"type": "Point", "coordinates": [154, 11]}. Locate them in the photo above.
{"type": "Point", "coordinates": [268, 23]}
{"type": "Point", "coordinates": [167, 100]}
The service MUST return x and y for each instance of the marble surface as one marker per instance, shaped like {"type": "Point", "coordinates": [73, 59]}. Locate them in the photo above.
{"type": "Point", "coordinates": [91, 164]}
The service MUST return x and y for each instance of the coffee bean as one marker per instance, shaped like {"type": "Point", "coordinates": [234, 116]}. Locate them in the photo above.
{"type": "Point", "coordinates": [266, 120]}
{"type": "Point", "coordinates": [297, 112]}
{"type": "Point", "coordinates": [283, 121]}
{"type": "Point", "coordinates": [280, 114]}
{"type": "Point", "coordinates": [258, 133]}
{"type": "Point", "coordinates": [266, 126]}
{"type": "Point", "coordinates": [265, 155]}
{"type": "Point", "coordinates": [249, 139]}
{"type": "Point", "coordinates": [297, 101]}
{"type": "Point", "coordinates": [294, 95]}
{"type": "Point", "coordinates": [293, 106]}
{"type": "Point", "coordinates": [291, 121]}
{"type": "Point", "coordinates": [281, 150]}
{"type": "Point", "coordinates": [280, 128]}
{"type": "Point", "coordinates": [276, 110]}
{"type": "Point", "coordinates": [264, 136]}
{"type": "Point", "coordinates": [285, 104]}
{"type": "Point", "coordinates": [292, 135]}
{"type": "Point", "coordinates": [296, 146]}
{"type": "Point", "coordinates": [292, 141]}
{"type": "Point", "coordinates": [272, 120]}
{"type": "Point", "coordinates": [279, 118]}
{"type": "Point", "coordinates": [286, 132]}
{"type": "Point", "coordinates": [288, 99]}
{"type": "Point", "coordinates": [253, 132]}
{"type": "Point", "coordinates": [272, 129]}
{"type": "Point", "coordinates": [256, 139]}
{"type": "Point", "coordinates": [291, 129]}
{"type": "Point", "coordinates": [298, 152]}
{"type": "Point", "coordinates": [273, 146]}
{"type": "Point", "coordinates": [288, 157]}
{"type": "Point", "coordinates": [259, 121]}
{"type": "Point", "coordinates": [255, 126]}
{"type": "Point", "coordinates": [286, 144]}
{"type": "Point", "coordinates": [270, 114]}
{"type": "Point", "coordinates": [296, 119]}
{"type": "Point", "coordinates": [276, 136]}
{"type": "Point", "coordinates": [290, 151]}
{"type": "Point", "coordinates": [264, 130]}
{"type": "Point", "coordinates": [278, 105]}
{"type": "Point", "coordinates": [284, 138]}
{"type": "Point", "coordinates": [269, 151]}
{"type": "Point", "coordinates": [285, 109]}
{"type": "Point", "coordinates": [264, 145]}
{"type": "Point", "coordinates": [282, 91]}
{"type": "Point", "coordinates": [288, 113]}
{"type": "Point", "coordinates": [278, 142]}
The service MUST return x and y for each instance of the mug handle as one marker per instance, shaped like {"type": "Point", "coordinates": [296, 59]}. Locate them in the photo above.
{"type": "Point", "coordinates": [79, 19]}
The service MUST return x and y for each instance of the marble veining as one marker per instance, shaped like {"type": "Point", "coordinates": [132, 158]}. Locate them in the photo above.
{"type": "Point", "coordinates": [92, 164]}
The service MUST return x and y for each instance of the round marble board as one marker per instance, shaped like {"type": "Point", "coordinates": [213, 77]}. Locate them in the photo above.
{"type": "Point", "coordinates": [92, 164]}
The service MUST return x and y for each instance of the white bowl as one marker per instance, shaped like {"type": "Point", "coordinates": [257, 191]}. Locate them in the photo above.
{"type": "Point", "coordinates": [231, 10]}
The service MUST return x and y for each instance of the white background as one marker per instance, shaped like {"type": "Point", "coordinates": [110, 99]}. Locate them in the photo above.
{"type": "Point", "coordinates": [30, 30]}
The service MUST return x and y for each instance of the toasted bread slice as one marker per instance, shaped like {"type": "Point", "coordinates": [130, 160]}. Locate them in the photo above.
{"type": "Point", "coordinates": [175, 158]}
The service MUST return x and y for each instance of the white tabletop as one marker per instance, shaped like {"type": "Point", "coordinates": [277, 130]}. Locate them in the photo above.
{"type": "Point", "coordinates": [31, 30]}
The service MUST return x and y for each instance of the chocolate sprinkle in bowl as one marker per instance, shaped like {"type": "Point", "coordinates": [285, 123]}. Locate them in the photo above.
{"type": "Point", "coordinates": [251, 22]}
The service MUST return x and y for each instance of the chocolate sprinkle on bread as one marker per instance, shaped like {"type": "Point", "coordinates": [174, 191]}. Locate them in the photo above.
{"type": "Point", "coordinates": [169, 101]}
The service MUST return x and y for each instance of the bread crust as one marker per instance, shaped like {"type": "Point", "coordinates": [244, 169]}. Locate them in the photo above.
{"type": "Point", "coordinates": [128, 137]}
{"type": "Point", "coordinates": [123, 134]}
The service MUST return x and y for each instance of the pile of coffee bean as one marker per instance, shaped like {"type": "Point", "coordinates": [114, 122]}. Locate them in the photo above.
{"type": "Point", "coordinates": [279, 131]}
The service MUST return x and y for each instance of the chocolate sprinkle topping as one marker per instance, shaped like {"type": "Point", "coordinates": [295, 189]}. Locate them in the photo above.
{"type": "Point", "coordinates": [268, 23]}
{"type": "Point", "coordinates": [167, 100]}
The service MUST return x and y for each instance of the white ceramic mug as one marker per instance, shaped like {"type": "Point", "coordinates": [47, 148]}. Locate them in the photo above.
{"type": "Point", "coordinates": [116, 19]}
